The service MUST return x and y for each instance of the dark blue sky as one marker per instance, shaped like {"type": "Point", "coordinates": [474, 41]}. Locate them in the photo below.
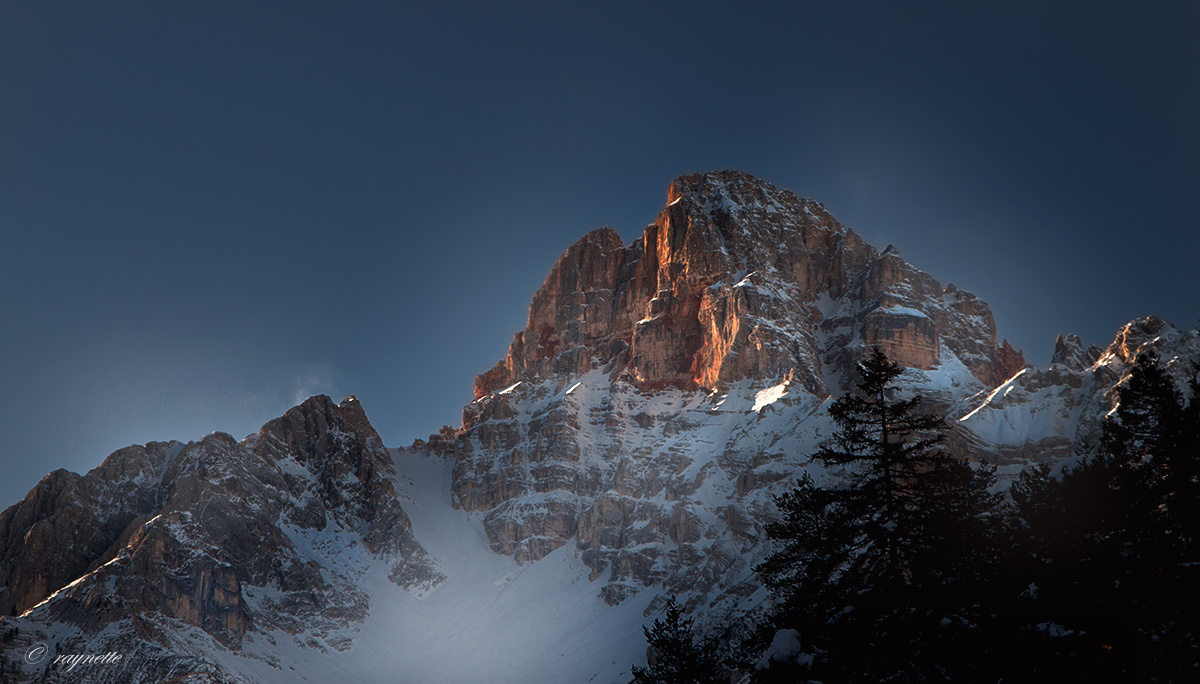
{"type": "Point", "coordinates": [210, 210]}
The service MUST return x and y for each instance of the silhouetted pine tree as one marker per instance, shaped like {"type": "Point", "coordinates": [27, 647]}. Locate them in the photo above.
{"type": "Point", "coordinates": [1153, 435]}
{"type": "Point", "coordinates": [1107, 550]}
{"type": "Point", "coordinates": [887, 564]}
{"type": "Point", "coordinates": [1186, 475]}
{"type": "Point", "coordinates": [679, 655]}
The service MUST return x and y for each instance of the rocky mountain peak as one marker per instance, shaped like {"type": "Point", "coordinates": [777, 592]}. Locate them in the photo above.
{"type": "Point", "coordinates": [1070, 352]}
{"type": "Point", "coordinates": [736, 280]}
{"type": "Point", "coordinates": [626, 413]}
{"type": "Point", "coordinates": [630, 444]}
{"type": "Point", "coordinates": [315, 429]}
{"type": "Point", "coordinates": [186, 532]}
{"type": "Point", "coordinates": [1135, 335]}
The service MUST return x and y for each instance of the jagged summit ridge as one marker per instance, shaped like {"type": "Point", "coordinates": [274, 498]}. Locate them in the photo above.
{"type": "Point", "coordinates": [661, 391]}
{"type": "Point", "coordinates": [222, 536]}
{"type": "Point", "coordinates": [737, 279]}
{"type": "Point", "coordinates": [1048, 414]}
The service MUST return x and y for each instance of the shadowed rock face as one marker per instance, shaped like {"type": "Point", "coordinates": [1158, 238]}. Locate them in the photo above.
{"type": "Point", "coordinates": [908, 339]}
{"type": "Point", "coordinates": [182, 531]}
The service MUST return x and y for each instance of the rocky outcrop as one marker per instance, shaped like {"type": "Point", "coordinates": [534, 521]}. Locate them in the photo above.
{"type": "Point", "coordinates": [1070, 353]}
{"type": "Point", "coordinates": [69, 524]}
{"type": "Point", "coordinates": [194, 533]}
{"type": "Point", "coordinates": [158, 572]}
{"type": "Point", "coordinates": [336, 445]}
{"type": "Point", "coordinates": [1009, 361]}
{"type": "Point", "coordinates": [1044, 415]}
{"type": "Point", "coordinates": [907, 336]}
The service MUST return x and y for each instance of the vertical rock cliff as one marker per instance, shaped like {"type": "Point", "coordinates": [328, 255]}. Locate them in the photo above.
{"type": "Point", "coordinates": [661, 389]}
{"type": "Point", "coordinates": [737, 280]}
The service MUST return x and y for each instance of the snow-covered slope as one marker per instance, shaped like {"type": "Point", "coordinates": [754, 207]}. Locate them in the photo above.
{"type": "Point", "coordinates": [491, 618]}
{"type": "Point", "coordinates": [174, 553]}
{"type": "Point", "coordinates": [627, 447]}
{"type": "Point", "coordinates": [1044, 415]}
{"type": "Point", "coordinates": [664, 487]}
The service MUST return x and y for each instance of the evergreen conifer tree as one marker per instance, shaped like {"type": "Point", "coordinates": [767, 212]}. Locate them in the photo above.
{"type": "Point", "coordinates": [1154, 437]}
{"type": "Point", "coordinates": [1107, 549]}
{"type": "Point", "coordinates": [884, 563]}
{"type": "Point", "coordinates": [678, 655]}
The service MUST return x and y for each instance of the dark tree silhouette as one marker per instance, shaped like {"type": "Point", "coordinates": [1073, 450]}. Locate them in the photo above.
{"type": "Point", "coordinates": [1154, 438]}
{"type": "Point", "coordinates": [886, 562]}
{"type": "Point", "coordinates": [678, 655]}
{"type": "Point", "coordinates": [1108, 548]}
{"type": "Point", "coordinates": [908, 572]}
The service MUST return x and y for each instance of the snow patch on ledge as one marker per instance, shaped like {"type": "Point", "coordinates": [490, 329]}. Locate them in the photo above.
{"type": "Point", "coordinates": [900, 311]}
{"type": "Point", "coordinates": [769, 396]}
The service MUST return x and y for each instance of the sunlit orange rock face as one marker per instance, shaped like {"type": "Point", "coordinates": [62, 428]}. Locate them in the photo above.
{"type": "Point", "coordinates": [737, 280]}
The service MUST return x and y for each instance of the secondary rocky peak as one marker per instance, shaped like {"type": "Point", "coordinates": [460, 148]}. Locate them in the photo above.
{"type": "Point", "coordinates": [1135, 335]}
{"type": "Point", "coordinates": [179, 531]}
{"type": "Point", "coordinates": [1009, 361]}
{"type": "Point", "coordinates": [1070, 353]}
{"type": "Point", "coordinates": [317, 429]}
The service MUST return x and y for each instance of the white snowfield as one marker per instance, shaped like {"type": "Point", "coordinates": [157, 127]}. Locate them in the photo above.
{"type": "Point", "coordinates": [492, 619]}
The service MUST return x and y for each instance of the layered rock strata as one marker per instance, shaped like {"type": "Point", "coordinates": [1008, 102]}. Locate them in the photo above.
{"type": "Point", "coordinates": [219, 535]}
{"type": "Point", "coordinates": [737, 287]}
{"type": "Point", "coordinates": [737, 279]}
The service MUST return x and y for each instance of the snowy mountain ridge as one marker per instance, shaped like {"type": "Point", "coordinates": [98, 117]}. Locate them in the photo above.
{"type": "Point", "coordinates": [628, 446]}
